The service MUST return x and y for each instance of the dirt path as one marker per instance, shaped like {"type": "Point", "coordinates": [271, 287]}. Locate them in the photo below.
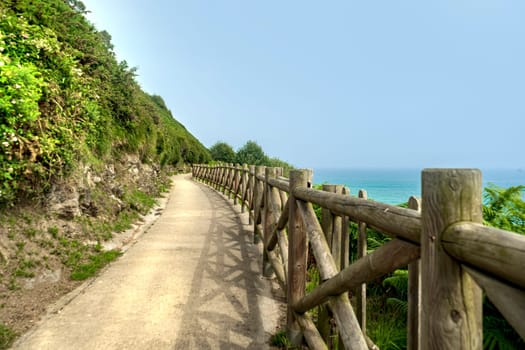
{"type": "Point", "coordinates": [192, 281]}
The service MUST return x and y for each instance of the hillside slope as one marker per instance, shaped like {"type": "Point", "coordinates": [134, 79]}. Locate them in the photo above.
{"type": "Point", "coordinates": [65, 99]}
{"type": "Point", "coordinates": [83, 153]}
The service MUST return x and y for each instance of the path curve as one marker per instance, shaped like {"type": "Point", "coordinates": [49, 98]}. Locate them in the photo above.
{"type": "Point", "coordinates": [192, 281]}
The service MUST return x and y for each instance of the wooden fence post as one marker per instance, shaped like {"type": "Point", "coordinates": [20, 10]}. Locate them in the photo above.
{"type": "Point", "coordinates": [229, 180]}
{"type": "Point", "coordinates": [209, 175]}
{"type": "Point", "coordinates": [414, 294]}
{"type": "Point", "coordinates": [271, 199]}
{"type": "Point", "coordinates": [244, 187]}
{"type": "Point", "coordinates": [362, 247]}
{"type": "Point", "coordinates": [345, 237]}
{"type": "Point", "coordinates": [221, 176]}
{"type": "Point", "coordinates": [224, 178]}
{"type": "Point", "coordinates": [451, 315]}
{"type": "Point", "coordinates": [237, 182]}
{"type": "Point", "coordinates": [213, 177]}
{"type": "Point", "coordinates": [258, 203]}
{"type": "Point", "coordinates": [251, 195]}
{"type": "Point", "coordinates": [233, 182]}
{"type": "Point", "coordinates": [337, 233]}
{"type": "Point", "coordinates": [327, 223]}
{"type": "Point", "coordinates": [297, 254]}
{"type": "Point", "coordinates": [332, 228]}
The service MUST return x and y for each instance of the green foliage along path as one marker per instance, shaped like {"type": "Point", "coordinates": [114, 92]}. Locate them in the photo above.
{"type": "Point", "coordinates": [65, 99]}
{"type": "Point", "coordinates": [250, 153]}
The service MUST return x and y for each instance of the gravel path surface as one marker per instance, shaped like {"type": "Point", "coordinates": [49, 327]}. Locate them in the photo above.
{"type": "Point", "coordinates": [192, 281]}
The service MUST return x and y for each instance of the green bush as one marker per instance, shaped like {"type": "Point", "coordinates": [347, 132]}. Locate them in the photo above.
{"type": "Point", "coordinates": [64, 98]}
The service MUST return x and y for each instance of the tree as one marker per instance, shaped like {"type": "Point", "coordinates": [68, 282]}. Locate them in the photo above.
{"type": "Point", "coordinates": [251, 153]}
{"type": "Point", "coordinates": [223, 152]}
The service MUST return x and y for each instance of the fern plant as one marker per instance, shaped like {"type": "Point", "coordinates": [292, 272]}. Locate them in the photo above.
{"type": "Point", "coordinates": [397, 284]}
{"type": "Point", "coordinates": [497, 333]}
{"type": "Point", "coordinates": [504, 208]}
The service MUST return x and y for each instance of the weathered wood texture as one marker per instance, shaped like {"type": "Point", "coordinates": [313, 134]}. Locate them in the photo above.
{"type": "Point", "coordinates": [361, 253]}
{"type": "Point", "coordinates": [414, 294]}
{"type": "Point", "coordinates": [495, 251]}
{"type": "Point", "coordinates": [278, 268]}
{"type": "Point", "coordinates": [281, 224]}
{"type": "Point", "coordinates": [297, 254]}
{"type": "Point", "coordinates": [345, 237]}
{"type": "Point", "coordinates": [349, 329]}
{"type": "Point", "coordinates": [280, 184]}
{"type": "Point", "coordinates": [258, 191]}
{"type": "Point", "coordinates": [271, 216]}
{"type": "Point", "coordinates": [454, 246]}
{"type": "Point", "coordinates": [451, 301]}
{"type": "Point", "coordinates": [508, 299]}
{"type": "Point", "coordinates": [390, 219]}
{"type": "Point", "coordinates": [244, 188]}
{"type": "Point", "coordinates": [387, 258]}
{"type": "Point", "coordinates": [327, 225]}
{"type": "Point", "coordinates": [251, 197]}
{"type": "Point", "coordinates": [311, 334]}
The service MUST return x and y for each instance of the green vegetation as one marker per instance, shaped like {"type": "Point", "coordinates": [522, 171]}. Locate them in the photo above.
{"type": "Point", "coordinates": [65, 99]}
{"type": "Point", "coordinates": [251, 153]}
{"type": "Point", "coordinates": [7, 336]}
{"type": "Point", "coordinates": [96, 262]}
{"type": "Point", "coordinates": [222, 152]}
{"type": "Point", "coordinates": [140, 201]}
{"type": "Point", "coordinates": [504, 208]}
{"type": "Point", "coordinates": [281, 341]}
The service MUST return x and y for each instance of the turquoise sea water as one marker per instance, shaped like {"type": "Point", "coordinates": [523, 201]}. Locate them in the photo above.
{"type": "Point", "coordinates": [395, 186]}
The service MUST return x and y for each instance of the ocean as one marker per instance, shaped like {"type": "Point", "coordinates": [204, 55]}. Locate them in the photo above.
{"type": "Point", "coordinates": [395, 186]}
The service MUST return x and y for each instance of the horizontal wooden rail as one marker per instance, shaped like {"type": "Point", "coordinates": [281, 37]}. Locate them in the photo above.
{"type": "Point", "coordinates": [281, 224]}
{"type": "Point", "coordinates": [280, 184]}
{"type": "Point", "coordinates": [387, 258]}
{"type": "Point", "coordinates": [498, 252]}
{"type": "Point", "coordinates": [395, 221]}
{"type": "Point", "coordinates": [509, 300]}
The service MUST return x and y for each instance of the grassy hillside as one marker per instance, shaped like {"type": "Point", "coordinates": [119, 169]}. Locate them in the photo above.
{"type": "Point", "coordinates": [84, 152]}
{"type": "Point", "coordinates": [65, 100]}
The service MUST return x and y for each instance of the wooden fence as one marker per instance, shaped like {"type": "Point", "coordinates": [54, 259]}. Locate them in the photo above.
{"type": "Point", "coordinates": [451, 256]}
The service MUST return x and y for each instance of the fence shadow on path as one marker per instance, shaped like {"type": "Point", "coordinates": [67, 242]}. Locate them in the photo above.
{"type": "Point", "coordinates": [228, 294]}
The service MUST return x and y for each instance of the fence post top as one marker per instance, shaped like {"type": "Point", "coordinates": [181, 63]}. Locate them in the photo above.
{"type": "Point", "coordinates": [300, 178]}
{"type": "Point", "coordinates": [259, 169]}
{"type": "Point", "coordinates": [414, 203]}
{"type": "Point", "coordinates": [451, 171]}
{"type": "Point", "coordinates": [328, 188]}
{"type": "Point", "coordinates": [270, 172]}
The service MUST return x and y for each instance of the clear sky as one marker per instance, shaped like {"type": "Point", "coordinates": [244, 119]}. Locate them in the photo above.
{"type": "Point", "coordinates": [336, 83]}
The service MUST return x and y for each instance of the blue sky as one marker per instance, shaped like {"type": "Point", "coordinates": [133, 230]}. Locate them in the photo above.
{"type": "Point", "coordinates": [336, 83]}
